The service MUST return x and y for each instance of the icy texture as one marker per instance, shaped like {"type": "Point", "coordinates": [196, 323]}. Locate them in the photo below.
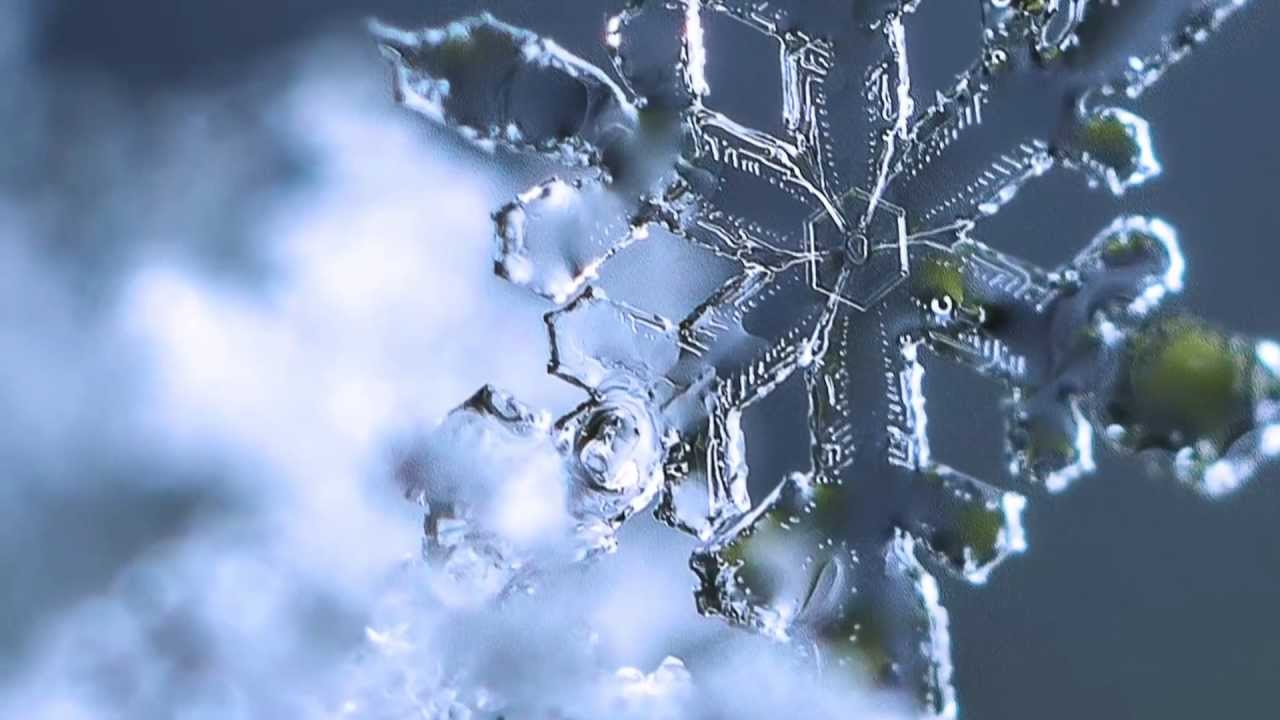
{"type": "Point", "coordinates": [859, 265]}
{"type": "Point", "coordinates": [1114, 146]}
{"type": "Point", "coordinates": [544, 496]}
{"type": "Point", "coordinates": [588, 644]}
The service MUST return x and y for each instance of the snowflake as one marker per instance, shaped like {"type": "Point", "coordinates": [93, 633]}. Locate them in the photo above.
{"type": "Point", "coordinates": [857, 265]}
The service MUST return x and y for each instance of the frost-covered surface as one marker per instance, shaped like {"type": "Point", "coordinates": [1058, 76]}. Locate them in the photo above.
{"type": "Point", "coordinates": [857, 264]}
{"type": "Point", "coordinates": [610, 639]}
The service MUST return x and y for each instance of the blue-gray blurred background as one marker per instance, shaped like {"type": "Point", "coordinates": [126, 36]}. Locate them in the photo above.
{"type": "Point", "coordinates": [197, 361]}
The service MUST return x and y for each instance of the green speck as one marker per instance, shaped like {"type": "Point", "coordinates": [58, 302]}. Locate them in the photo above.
{"type": "Point", "coordinates": [1107, 139]}
{"type": "Point", "coordinates": [938, 279]}
{"type": "Point", "coordinates": [1188, 378]}
{"type": "Point", "coordinates": [1125, 247]}
{"type": "Point", "coordinates": [981, 528]}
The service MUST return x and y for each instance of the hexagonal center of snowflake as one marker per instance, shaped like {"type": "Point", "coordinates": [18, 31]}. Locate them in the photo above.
{"type": "Point", "coordinates": [767, 179]}
{"type": "Point", "coordinates": [876, 259]}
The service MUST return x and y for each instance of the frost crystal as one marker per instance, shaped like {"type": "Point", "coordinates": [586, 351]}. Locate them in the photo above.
{"type": "Point", "coordinates": [857, 267]}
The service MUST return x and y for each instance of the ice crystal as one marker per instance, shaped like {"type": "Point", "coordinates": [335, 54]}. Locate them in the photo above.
{"type": "Point", "coordinates": [858, 265]}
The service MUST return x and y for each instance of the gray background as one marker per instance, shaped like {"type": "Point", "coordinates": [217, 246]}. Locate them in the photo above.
{"type": "Point", "coordinates": [1137, 599]}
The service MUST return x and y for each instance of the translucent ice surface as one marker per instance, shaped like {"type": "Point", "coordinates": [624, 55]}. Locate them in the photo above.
{"type": "Point", "coordinates": [784, 422]}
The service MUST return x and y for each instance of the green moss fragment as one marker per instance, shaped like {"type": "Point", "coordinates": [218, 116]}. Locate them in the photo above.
{"type": "Point", "coordinates": [1048, 447]}
{"type": "Point", "coordinates": [857, 641]}
{"type": "Point", "coordinates": [939, 279]}
{"type": "Point", "coordinates": [747, 555]}
{"type": "Point", "coordinates": [1108, 140]}
{"type": "Point", "coordinates": [981, 528]}
{"type": "Point", "coordinates": [1034, 7]}
{"type": "Point", "coordinates": [1187, 378]}
{"type": "Point", "coordinates": [1127, 247]}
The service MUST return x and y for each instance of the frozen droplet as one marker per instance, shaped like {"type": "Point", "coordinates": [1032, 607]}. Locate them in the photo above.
{"type": "Point", "coordinates": [616, 449]}
{"type": "Point", "coordinates": [1208, 397]}
{"type": "Point", "coordinates": [1131, 267]}
{"type": "Point", "coordinates": [1115, 147]}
